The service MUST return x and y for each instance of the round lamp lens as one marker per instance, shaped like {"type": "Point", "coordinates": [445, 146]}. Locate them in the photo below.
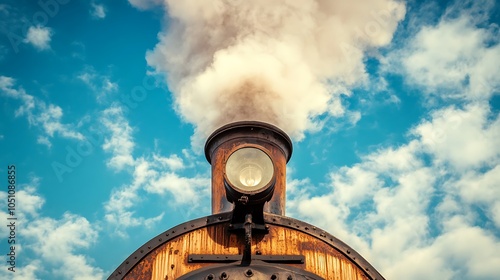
{"type": "Point", "coordinates": [249, 169]}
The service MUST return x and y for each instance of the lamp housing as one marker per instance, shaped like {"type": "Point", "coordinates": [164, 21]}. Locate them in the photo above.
{"type": "Point", "coordinates": [249, 175]}
{"type": "Point", "coordinates": [226, 148]}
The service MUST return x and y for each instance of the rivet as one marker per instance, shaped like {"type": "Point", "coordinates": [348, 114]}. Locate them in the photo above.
{"type": "Point", "coordinates": [274, 277]}
{"type": "Point", "coordinates": [220, 218]}
{"type": "Point", "coordinates": [289, 277]}
{"type": "Point", "coordinates": [210, 277]}
{"type": "Point", "coordinates": [348, 251]}
{"type": "Point", "coordinates": [249, 273]}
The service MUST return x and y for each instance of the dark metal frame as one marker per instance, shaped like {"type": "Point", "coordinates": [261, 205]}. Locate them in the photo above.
{"type": "Point", "coordinates": [270, 219]}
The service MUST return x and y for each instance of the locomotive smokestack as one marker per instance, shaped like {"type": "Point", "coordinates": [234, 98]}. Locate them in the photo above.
{"type": "Point", "coordinates": [248, 161]}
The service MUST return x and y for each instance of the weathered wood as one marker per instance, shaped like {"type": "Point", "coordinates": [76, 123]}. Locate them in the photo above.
{"type": "Point", "coordinates": [170, 260]}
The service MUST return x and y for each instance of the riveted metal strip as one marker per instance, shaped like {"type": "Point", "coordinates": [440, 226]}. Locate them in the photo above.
{"type": "Point", "coordinates": [165, 237]}
{"type": "Point", "coordinates": [355, 257]}
{"type": "Point", "coordinates": [205, 258]}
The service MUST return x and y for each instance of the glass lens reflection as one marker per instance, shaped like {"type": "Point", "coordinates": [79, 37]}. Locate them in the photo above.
{"type": "Point", "coordinates": [249, 169]}
{"type": "Point", "coordinates": [251, 176]}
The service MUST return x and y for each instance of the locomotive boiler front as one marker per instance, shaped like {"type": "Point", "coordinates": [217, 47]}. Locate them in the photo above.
{"type": "Point", "coordinates": [248, 235]}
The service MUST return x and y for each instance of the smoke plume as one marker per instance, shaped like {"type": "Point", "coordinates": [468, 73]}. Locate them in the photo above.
{"type": "Point", "coordinates": [284, 62]}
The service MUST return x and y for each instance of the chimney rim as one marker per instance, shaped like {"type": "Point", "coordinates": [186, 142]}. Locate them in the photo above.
{"type": "Point", "coordinates": [248, 124]}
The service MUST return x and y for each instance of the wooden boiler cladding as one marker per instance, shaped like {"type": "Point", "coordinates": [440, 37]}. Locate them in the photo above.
{"type": "Point", "coordinates": [324, 255]}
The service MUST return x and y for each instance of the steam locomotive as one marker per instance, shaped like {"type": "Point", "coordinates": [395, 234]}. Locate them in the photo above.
{"type": "Point", "coordinates": [247, 236]}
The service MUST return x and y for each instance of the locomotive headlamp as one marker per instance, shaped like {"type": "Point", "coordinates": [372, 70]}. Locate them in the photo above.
{"type": "Point", "coordinates": [249, 176]}
{"type": "Point", "coordinates": [249, 169]}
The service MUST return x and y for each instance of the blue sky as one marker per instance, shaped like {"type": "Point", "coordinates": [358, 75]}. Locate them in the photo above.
{"type": "Point", "coordinates": [393, 108]}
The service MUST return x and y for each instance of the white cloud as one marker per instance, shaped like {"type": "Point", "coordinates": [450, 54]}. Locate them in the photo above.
{"type": "Point", "coordinates": [120, 143]}
{"type": "Point", "coordinates": [118, 207]}
{"type": "Point", "coordinates": [100, 84]}
{"type": "Point", "coordinates": [45, 116]}
{"type": "Point", "coordinates": [454, 59]}
{"type": "Point", "coordinates": [31, 202]}
{"type": "Point", "coordinates": [174, 162]}
{"type": "Point", "coordinates": [153, 175]}
{"type": "Point", "coordinates": [44, 141]}
{"type": "Point", "coordinates": [39, 37]}
{"type": "Point", "coordinates": [64, 236]}
{"type": "Point", "coordinates": [184, 190]}
{"type": "Point", "coordinates": [49, 245]}
{"type": "Point", "coordinates": [98, 11]}
{"type": "Point", "coordinates": [481, 188]}
{"type": "Point", "coordinates": [464, 138]}
{"type": "Point", "coordinates": [145, 4]}
{"type": "Point", "coordinates": [7, 87]}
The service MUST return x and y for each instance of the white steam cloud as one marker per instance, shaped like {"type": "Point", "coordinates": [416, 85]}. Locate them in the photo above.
{"type": "Point", "coordinates": [284, 62]}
